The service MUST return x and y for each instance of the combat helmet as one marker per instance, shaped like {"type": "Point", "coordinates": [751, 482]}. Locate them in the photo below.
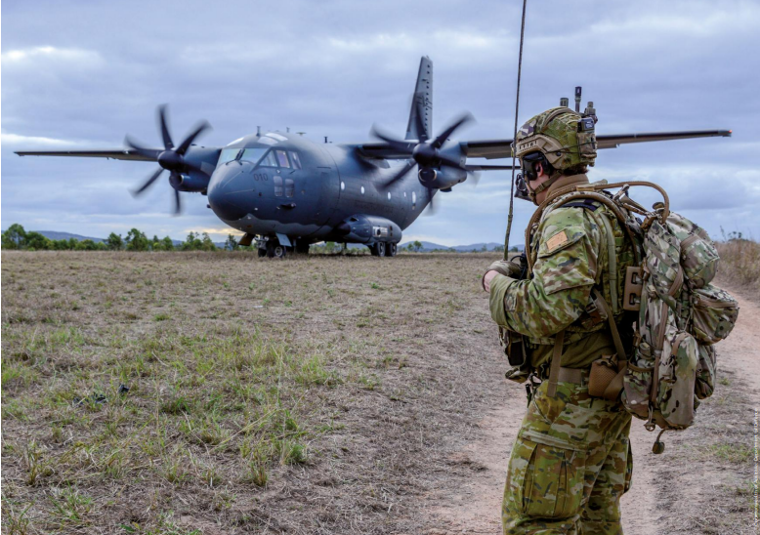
{"type": "Point", "coordinates": [560, 137]}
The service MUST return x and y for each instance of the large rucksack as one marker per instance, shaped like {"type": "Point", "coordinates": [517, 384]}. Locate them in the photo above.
{"type": "Point", "coordinates": [681, 315]}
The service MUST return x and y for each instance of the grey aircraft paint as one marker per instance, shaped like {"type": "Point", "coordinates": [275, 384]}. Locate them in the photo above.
{"type": "Point", "coordinates": [287, 191]}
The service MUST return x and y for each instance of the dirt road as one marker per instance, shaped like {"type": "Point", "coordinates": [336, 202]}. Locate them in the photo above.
{"type": "Point", "coordinates": [474, 509]}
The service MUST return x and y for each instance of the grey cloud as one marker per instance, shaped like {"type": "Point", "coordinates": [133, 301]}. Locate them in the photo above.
{"type": "Point", "coordinates": [334, 68]}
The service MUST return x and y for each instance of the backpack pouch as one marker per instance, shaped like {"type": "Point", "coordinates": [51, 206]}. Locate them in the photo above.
{"type": "Point", "coordinates": [678, 368]}
{"type": "Point", "coordinates": [714, 314]}
{"type": "Point", "coordinates": [699, 257]}
{"type": "Point", "coordinates": [663, 261]}
{"type": "Point", "coordinates": [707, 372]}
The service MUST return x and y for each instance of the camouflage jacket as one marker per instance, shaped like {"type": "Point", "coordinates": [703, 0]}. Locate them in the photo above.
{"type": "Point", "coordinates": [569, 259]}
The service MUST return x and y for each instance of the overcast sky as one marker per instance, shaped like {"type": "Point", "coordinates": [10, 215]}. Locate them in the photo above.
{"type": "Point", "coordinates": [82, 74]}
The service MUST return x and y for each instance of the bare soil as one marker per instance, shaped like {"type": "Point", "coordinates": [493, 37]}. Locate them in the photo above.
{"type": "Point", "coordinates": [703, 483]}
{"type": "Point", "coordinates": [314, 395]}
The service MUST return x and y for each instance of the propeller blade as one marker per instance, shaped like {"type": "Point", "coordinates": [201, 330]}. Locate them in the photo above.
{"type": "Point", "coordinates": [142, 151]}
{"type": "Point", "coordinates": [401, 146]}
{"type": "Point", "coordinates": [432, 207]}
{"type": "Point", "coordinates": [475, 177]}
{"type": "Point", "coordinates": [398, 176]}
{"type": "Point", "coordinates": [148, 182]}
{"type": "Point", "coordinates": [177, 203]}
{"type": "Point", "coordinates": [443, 136]}
{"type": "Point", "coordinates": [168, 143]}
{"type": "Point", "coordinates": [204, 125]}
{"type": "Point", "coordinates": [421, 131]}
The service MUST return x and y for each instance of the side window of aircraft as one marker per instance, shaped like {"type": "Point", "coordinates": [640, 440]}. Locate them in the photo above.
{"type": "Point", "coordinates": [278, 190]}
{"type": "Point", "coordinates": [290, 189]}
{"type": "Point", "coordinates": [227, 155]}
{"type": "Point", "coordinates": [296, 159]}
{"type": "Point", "coordinates": [282, 158]}
{"type": "Point", "coordinates": [269, 160]}
{"type": "Point", "coordinates": [253, 155]}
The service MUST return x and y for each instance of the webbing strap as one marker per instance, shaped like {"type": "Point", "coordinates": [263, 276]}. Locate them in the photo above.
{"type": "Point", "coordinates": [613, 389]}
{"type": "Point", "coordinates": [559, 341]}
{"type": "Point", "coordinates": [619, 348]}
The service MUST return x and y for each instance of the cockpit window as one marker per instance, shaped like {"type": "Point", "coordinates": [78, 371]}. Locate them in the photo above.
{"type": "Point", "coordinates": [227, 155]}
{"type": "Point", "coordinates": [253, 154]}
{"type": "Point", "coordinates": [282, 158]}
{"type": "Point", "coordinates": [269, 160]}
{"type": "Point", "coordinates": [296, 159]}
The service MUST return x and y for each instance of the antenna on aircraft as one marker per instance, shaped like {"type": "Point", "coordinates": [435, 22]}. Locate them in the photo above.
{"type": "Point", "coordinates": [287, 130]}
{"type": "Point", "coordinates": [258, 131]}
{"type": "Point", "coordinates": [326, 139]}
{"type": "Point", "coordinates": [578, 91]}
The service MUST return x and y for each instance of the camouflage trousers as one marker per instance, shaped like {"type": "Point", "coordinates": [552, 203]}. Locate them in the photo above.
{"type": "Point", "coordinates": [569, 467]}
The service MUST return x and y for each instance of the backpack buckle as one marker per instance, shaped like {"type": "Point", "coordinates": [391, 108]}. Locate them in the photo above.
{"type": "Point", "coordinates": [594, 312]}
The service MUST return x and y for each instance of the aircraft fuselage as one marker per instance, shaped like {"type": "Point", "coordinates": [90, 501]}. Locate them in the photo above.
{"type": "Point", "coordinates": [281, 184]}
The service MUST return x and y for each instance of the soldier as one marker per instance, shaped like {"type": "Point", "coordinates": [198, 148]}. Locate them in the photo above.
{"type": "Point", "coordinates": [571, 462]}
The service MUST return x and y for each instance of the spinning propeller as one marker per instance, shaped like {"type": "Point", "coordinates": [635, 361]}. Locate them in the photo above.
{"type": "Point", "coordinates": [171, 158]}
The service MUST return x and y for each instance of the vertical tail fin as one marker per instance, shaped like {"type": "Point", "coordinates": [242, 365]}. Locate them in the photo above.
{"type": "Point", "coordinates": [423, 94]}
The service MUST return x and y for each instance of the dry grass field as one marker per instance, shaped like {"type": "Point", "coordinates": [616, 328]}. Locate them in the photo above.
{"type": "Point", "coordinates": [189, 393]}
{"type": "Point", "coordinates": [315, 395]}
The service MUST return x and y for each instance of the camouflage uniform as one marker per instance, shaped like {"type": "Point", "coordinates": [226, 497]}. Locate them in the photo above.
{"type": "Point", "coordinates": [571, 462]}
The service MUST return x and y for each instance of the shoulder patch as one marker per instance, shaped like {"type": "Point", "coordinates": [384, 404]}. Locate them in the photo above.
{"type": "Point", "coordinates": [559, 239]}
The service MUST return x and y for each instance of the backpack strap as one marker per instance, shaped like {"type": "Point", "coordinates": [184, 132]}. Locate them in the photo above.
{"type": "Point", "coordinates": [616, 385]}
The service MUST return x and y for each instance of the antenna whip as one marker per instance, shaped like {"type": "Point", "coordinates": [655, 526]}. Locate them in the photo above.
{"type": "Point", "coordinates": [517, 110]}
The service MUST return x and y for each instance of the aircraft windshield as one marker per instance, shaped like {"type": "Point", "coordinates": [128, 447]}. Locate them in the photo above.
{"type": "Point", "coordinates": [254, 154]}
{"type": "Point", "coordinates": [227, 155]}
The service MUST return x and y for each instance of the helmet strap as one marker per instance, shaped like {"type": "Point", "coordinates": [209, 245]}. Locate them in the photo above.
{"type": "Point", "coordinates": [532, 193]}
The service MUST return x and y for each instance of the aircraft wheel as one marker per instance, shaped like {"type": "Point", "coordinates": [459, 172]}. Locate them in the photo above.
{"type": "Point", "coordinates": [392, 249]}
{"type": "Point", "coordinates": [262, 252]}
{"type": "Point", "coordinates": [379, 248]}
{"type": "Point", "coordinates": [275, 250]}
{"type": "Point", "coordinates": [302, 248]}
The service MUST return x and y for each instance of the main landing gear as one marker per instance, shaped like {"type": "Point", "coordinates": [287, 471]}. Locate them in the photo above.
{"type": "Point", "coordinates": [382, 249]}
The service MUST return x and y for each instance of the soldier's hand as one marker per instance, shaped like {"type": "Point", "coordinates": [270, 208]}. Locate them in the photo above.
{"type": "Point", "coordinates": [487, 278]}
{"type": "Point", "coordinates": [510, 268]}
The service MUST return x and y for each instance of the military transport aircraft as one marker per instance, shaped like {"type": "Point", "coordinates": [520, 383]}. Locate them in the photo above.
{"type": "Point", "coordinates": [287, 192]}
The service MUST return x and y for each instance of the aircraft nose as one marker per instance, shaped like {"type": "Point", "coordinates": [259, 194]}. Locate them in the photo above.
{"type": "Point", "coordinates": [227, 191]}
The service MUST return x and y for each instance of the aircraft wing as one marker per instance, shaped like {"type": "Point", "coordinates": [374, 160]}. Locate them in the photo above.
{"type": "Point", "coordinates": [384, 151]}
{"type": "Point", "coordinates": [118, 154]}
{"type": "Point", "coordinates": [502, 148]}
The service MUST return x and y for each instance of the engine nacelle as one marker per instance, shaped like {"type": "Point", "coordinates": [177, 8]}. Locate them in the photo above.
{"type": "Point", "coordinates": [441, 178]}
{"type": "Point", "coordinates": [368, 229]}
{"type": "Point", "coordinates": [192, 181]}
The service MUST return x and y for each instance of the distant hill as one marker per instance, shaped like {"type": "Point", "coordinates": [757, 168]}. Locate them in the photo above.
{"type": "Point", "coordinates": [490, 246]}
{"type": "Point", "coordinates": [56, 235]}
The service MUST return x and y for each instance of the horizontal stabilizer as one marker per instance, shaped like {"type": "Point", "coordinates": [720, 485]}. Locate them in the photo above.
{"type": "Point", "coordinates": [502, 148]}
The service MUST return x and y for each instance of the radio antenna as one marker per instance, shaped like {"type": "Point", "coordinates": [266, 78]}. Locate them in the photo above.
{"type": "Point", "coordinates": [514, 138]}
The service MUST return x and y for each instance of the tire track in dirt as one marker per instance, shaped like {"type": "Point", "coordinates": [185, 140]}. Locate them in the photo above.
{"type": "Point", "coordinates": [474, 508]}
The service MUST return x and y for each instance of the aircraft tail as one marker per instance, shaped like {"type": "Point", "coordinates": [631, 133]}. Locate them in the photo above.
{"type": "Point", "coordinates": [423, 93]}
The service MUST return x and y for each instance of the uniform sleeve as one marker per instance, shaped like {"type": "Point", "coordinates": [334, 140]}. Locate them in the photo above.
{"type": "Point", "coordinates": [563, 275]}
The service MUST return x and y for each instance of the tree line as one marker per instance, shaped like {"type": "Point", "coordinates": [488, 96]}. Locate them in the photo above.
{"type": "Point", "coordinates": [19, 239]}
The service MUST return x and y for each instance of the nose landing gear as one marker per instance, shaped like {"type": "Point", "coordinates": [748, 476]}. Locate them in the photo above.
{"type": "Point", "coordinates": [271, 248]}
